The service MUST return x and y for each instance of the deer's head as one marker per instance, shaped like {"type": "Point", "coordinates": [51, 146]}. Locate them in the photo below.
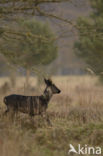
{"type": "Point", "coordinates": [51, 87]}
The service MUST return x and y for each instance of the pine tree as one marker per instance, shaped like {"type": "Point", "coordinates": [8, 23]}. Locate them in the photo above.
{"type": "Point", "coordinates": [27, 51]}
{"type": "Point", "coordinates": [90, 44]}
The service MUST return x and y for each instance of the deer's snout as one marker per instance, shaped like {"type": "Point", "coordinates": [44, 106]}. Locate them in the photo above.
{"type": "Point", "coordinates": [59, 91]}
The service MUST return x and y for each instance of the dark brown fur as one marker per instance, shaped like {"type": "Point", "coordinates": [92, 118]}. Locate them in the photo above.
{"type": "Point", "coordinates": [32, 105]}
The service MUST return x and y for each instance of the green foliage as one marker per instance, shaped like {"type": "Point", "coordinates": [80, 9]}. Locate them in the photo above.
{"type": "Point", "coordinates": [37, 46]}
{"type": "Point", "coordinates": [90, 44]}
{"type": "Point", "coordinates": [98, 5]}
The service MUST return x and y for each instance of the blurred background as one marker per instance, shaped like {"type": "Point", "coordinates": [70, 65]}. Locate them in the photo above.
{"type": "Point", "coordinates": [66, 62]}
{"type": "Point", "coordinates": [60, 37]}
{"type": "Point", "coordinates": [46, 38]}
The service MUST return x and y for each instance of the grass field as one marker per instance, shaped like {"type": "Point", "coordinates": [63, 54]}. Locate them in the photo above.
{"type": "Point", "coordinates": [76, 115]}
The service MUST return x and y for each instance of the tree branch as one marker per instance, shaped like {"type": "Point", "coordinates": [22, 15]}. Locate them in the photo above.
{"type": "Point", "coordinates": [43, 13]}
{"type": "Point", "coordinates": [28, 35]}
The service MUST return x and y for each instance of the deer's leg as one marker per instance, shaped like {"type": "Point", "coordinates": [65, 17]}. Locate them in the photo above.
{"type": "Point", "coordinates": [31, 109]}
{"type": "Point", "coordinates": [12, 114]}
{"type": "Point", "coordinates": [13, 111]}
{"type": "Point", "coordinates": [46, 117]}
{"type": "Point", "coordinates": [31, 117]}
{"type": "Point", "coordinates": [48, 120]}
{"type": "Point", "coordinates": [31, 114]}
{"type": "Point", "coordinates": [6, 112]}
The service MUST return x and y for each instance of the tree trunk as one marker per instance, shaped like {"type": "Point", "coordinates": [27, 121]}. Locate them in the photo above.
{"type": "Point", "coordinates": [13, 78]}
{"type": "Point", "coordinates": [27, 78]}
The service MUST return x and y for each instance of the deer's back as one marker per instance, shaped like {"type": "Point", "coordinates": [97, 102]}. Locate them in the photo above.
{"type": "Point", "coordinates": [25, 103]}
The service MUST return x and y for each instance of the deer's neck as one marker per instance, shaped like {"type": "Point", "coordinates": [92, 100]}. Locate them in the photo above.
{"type": "Point", "coordinates": [47, 94]}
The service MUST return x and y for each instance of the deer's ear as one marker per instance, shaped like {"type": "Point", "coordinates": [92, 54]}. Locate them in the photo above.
{"type": "Point", "coordinates": [50, 81]}
{"type": "Point", "coordinates": [46, 81]}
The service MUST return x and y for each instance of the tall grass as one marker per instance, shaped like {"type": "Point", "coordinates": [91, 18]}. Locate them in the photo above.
{"type": "Point", "coordinates": [76, 115]}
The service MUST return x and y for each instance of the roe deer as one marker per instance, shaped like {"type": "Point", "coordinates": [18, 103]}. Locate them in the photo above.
{"type": "Point", "coordinates": [32, 105]}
